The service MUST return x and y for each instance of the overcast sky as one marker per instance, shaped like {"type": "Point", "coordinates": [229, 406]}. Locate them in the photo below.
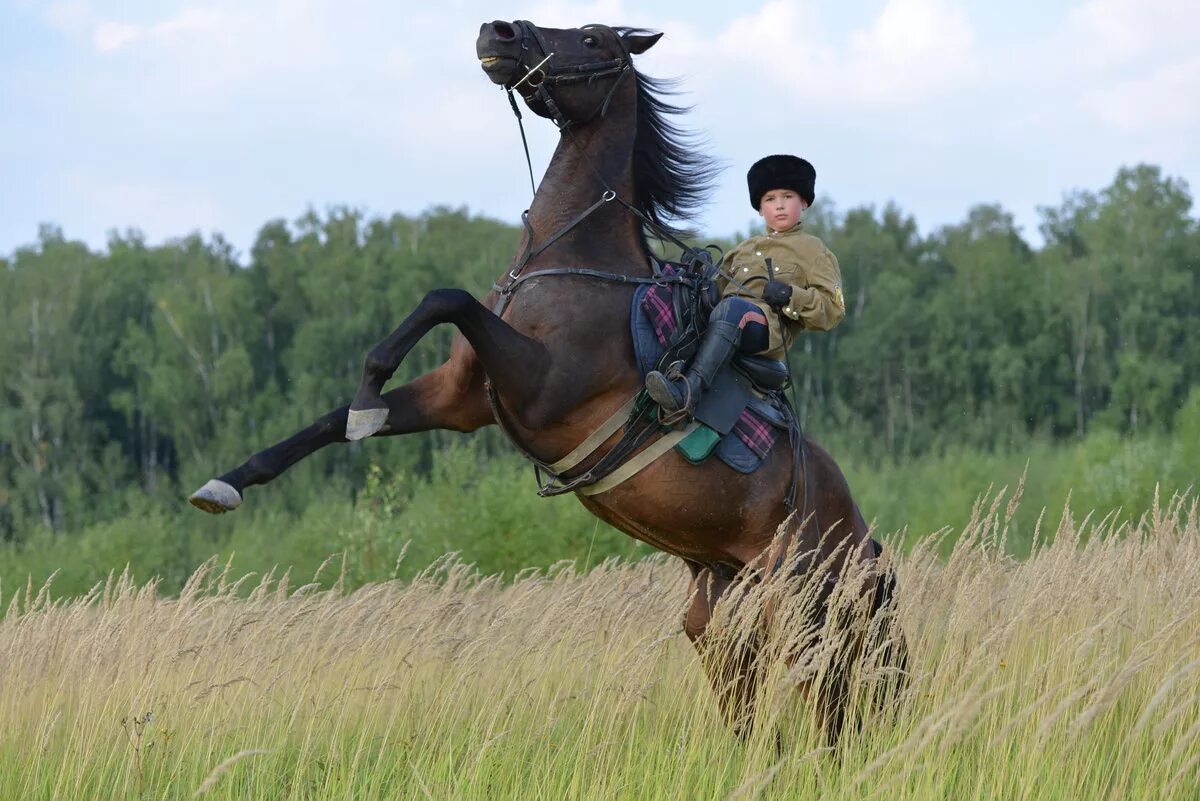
{"type": "Point", "coordinates": [217, 115]}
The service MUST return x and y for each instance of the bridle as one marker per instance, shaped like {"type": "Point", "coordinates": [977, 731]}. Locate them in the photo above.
{"type": "Point", "coordinates": [542, 76]}
{"type": "Point", "coordinates": [539, 78]}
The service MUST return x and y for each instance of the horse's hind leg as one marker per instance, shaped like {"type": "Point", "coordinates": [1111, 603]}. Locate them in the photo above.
{"type": "Point", "coordinates": [863, 637]}
{"type": "Point", "coordinates": [730, 658]}
{"type": "Point", "coordinates": [887, 640]}
{"type": "Point", "coordinates": [224, 493]}
{"type": "Point", "coordinates": [450, 397]}
{"type": "Point", "coordinates": [514, 362]}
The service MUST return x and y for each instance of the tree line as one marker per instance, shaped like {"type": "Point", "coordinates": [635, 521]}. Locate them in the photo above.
{"type": "Point", "coordinates": [140, 371]}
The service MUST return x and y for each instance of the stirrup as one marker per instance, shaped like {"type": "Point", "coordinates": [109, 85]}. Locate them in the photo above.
{"type": "Point", "coordinates": [674, 370]}
{"type": "Point", "coordinates": [672, 373]}
{"type": "Point", "coordinates": [672, 419]}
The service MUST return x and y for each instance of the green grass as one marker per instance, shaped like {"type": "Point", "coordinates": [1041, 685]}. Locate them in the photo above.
{"type": "Point", "coordinates": [486, 509]}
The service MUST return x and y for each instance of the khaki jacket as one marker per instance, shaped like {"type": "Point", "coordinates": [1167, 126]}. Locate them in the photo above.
{"type": "Point", "coordinates": [797, 259]}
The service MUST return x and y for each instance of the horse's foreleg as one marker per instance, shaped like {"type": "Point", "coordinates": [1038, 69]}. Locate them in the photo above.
{"type": "Point", "coordinates": [514, 362]}
{"type": "Point", "coordinates": [451, 397]}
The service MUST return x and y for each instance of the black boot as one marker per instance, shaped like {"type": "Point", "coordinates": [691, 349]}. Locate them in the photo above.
{"type": "Point", "coordinates": [683, 393]}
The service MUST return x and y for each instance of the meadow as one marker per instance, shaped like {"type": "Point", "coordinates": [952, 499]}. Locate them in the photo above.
{"type": "Point", "coordinates": [1071, 673]}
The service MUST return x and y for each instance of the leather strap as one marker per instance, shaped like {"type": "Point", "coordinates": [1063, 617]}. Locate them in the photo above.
{"type": "Point", "coordinates": [597, 438]}
{"type": "Point", "coordinates": [635, 465]}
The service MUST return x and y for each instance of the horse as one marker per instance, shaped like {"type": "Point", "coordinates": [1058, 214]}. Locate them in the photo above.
{"type": "Point", "coordinates": [548, 352]}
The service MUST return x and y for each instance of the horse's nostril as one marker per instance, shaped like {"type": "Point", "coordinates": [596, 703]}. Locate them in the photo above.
{"type": "Point", "coordinates": [504, 31]}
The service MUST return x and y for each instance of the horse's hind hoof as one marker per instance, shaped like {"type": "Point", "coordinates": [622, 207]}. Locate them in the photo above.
{"type": "Point", "coordinates": [216, 497]}
{"type": "Point", "coordinates": [362, 424]}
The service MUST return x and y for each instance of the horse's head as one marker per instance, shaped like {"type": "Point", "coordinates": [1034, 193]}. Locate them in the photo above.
{"type": "Point", "coordinates": [568, 75]}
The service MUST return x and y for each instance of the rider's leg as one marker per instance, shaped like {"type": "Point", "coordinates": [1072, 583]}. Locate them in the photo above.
{"type": "Point", "coordinates": [735, 326]}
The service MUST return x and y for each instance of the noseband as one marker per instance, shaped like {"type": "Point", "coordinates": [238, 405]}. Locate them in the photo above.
{"type": "Point", "coordinates": [542, 76]}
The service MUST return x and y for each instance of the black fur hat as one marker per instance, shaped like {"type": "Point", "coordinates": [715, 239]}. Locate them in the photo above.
{"type": "Point", "coordinates": [781, 172]}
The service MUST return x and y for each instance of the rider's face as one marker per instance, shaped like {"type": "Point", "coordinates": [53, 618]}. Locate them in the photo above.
{"type": "Point", "coordinates": [781, 208]}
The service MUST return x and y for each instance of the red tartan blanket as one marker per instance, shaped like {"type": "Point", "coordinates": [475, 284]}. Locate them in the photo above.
{"type": "Point", "coordinates": [758, 435]}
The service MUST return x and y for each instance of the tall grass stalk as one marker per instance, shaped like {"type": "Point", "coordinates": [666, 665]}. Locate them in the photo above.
{"type": "Point", "coordinates": [1071, 674]}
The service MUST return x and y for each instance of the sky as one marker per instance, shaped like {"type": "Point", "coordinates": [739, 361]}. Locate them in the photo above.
{"type": "Point", "coordinates": [176, 116]}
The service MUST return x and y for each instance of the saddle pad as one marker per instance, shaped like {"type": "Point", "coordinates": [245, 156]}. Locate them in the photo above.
{"type": "Point", "coordinates": [697, 446]}
{"type": "Point", "coordinates": [653, 323]}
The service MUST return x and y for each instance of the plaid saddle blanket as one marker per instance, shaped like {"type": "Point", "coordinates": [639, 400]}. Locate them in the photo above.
{"type": "Point", "coordinates": [654, 323]}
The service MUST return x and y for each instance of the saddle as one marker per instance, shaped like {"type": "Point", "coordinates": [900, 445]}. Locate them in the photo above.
{"type": "Point", "coordinates": [745, 411]}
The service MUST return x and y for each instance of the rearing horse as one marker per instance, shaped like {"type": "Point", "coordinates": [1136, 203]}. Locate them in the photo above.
{"type": "Point", "coordinates": [558, 353]}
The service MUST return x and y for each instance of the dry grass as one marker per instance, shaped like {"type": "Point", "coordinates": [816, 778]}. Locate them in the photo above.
{"type": "Point", "coordinates": [1072, 674]}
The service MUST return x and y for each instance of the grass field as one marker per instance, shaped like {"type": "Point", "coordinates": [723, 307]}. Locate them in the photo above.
{"type": "Point", "coordinates": [1074, 673]}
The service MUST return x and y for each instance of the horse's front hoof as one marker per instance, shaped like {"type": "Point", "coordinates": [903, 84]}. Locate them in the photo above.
{"type": "Point", "coordinates": [364, 423]}
{"type": "Point", "coordinates": [216, 497]}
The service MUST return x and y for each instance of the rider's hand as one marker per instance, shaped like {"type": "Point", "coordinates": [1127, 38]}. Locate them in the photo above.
{"type": "Point", "coordinates": [777, 294]}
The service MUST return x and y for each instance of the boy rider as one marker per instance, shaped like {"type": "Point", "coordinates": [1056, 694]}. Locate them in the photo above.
{"type": "Point", "coordinates": [772, 285]}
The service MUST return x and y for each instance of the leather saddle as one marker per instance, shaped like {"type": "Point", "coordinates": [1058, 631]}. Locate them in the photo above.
{"type": "Point", "coordinates": [766, 374]}
{"type": "Point", "coordinates": [745, 381]}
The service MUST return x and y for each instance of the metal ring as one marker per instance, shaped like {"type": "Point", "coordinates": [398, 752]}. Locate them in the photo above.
{"type": "Point", "coordinates": [609, 195]}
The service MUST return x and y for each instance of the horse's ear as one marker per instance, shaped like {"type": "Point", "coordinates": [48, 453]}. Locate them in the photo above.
{"type": "Point", "coordinates": [640, 43]}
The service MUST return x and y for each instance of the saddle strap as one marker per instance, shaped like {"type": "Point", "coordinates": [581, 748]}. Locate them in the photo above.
{"type": "Point", "coordinates": [597, 438]}
{"type": "Point", "coordinates": [638, 428]}
{"type": "Point", "coordinates": [643, 460]}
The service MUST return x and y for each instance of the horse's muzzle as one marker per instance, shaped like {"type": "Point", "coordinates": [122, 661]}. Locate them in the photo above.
{"type": "Point", "coordinates": [499, 50]}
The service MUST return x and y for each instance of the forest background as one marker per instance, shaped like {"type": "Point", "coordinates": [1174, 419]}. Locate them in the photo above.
{"type": "Point", "coordinates": [969, 358]}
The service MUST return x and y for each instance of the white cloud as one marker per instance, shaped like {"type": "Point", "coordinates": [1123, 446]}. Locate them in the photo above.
{"type": "Point", "coordinates": [69, 16]}
{"type": "Point", "coordinates": [1127, 67]}
{"type": "Point", "coordinates": [1162, 100]}
{"type": "Point", "coordinates": [161, 209]}
{"type": "Point", "coordinates": [568, 14]}
{"type": "Point", "coordinates": [112, 36]}
{"type": "Point", "coordinates": [204, 51]}
{"type": "Point", "coordinates": [782, 31]}
{"type": "Point", "coordinates": [283, 102]}
{"type": "Point", "coordinates": [912, 51]}
{"type": "Point", "coordinates": [1110, 32]}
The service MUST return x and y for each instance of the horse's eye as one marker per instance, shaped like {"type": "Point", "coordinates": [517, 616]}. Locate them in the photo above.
{"type": "Point", "coordinates": [590, 41]}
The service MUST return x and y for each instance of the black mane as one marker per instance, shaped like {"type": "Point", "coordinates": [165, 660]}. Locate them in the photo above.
{"type": "Point", "coordinates": [671, 176]}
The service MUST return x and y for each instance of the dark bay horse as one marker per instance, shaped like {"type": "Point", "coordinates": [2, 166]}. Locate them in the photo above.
{"type": "Point", "coordinates": [559, 355]}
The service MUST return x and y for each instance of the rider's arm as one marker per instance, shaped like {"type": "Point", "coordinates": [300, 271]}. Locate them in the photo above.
{"type": "Point", "coordinates": [818, 302]}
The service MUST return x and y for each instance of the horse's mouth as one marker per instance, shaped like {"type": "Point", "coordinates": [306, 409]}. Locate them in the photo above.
{"type": "Point", "coordinates": [498, 68]}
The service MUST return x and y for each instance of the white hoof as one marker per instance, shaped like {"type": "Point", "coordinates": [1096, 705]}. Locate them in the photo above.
{"type": "Point", "coordinates": [360, 425]}
{"type": "Point", "coordinates": [216, 497]}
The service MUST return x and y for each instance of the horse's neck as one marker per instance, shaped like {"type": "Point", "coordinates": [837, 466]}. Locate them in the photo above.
{"type": "Point", "coordinates": [610, 236]}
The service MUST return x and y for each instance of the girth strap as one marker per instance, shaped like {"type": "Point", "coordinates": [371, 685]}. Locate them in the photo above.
{"type": "Point", "coordinates": [597, 438]}
{"type": "Point", "coordinates": [639, 418]}
{"type": "Point", "coordinates": [643, 460]}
